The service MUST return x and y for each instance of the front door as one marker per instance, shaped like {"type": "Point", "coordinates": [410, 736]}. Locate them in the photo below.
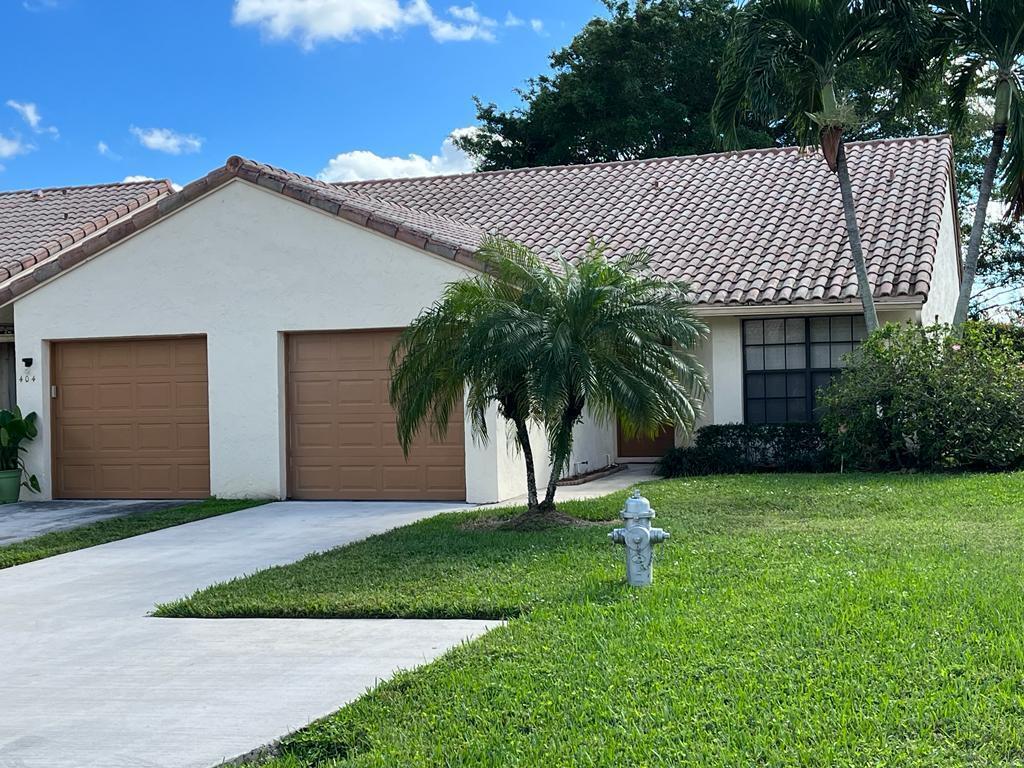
{"type": "Point", "coordinates": [642, 448]}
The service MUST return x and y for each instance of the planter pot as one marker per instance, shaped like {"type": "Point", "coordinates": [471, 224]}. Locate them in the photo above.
{"type": "Point", "coordinates": [10, 485]}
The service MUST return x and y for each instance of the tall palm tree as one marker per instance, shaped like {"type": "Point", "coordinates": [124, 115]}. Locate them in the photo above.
{"type": "Point", "coordinates": [547, 342]}
{"type": "Point", "coordinates": [785, 61]}
{"type": "Point", "coordinates": [980, 45]}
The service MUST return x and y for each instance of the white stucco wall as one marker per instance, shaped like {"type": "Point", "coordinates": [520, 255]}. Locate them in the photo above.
{"type": "Point", "coordinates": [241, 266]}
{"type": "Point", "coordinates": [945, 284]}
{"type": "Point", "coordinates": [725, 399]}
{"type": "Point", "coordinates": [594, 445]}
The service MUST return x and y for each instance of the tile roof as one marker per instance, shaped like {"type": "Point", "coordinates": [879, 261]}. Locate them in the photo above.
{"type": "Point", "coordinates": [744, 228]}
{"type": "Point", "coordinates": [752, 227]}
{"type": "Point", "coordinates": [35, 225]}
{"type": "Point", "coordinates": [435, 233]}
{"type": "Point", "coordinates": [407, 223]}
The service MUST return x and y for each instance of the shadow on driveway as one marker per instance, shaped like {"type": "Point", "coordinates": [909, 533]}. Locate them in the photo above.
{"type": "Point", "coordinates": [27, 519]}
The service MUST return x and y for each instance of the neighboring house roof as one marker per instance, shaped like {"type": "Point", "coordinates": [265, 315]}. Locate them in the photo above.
{"type": "Point", "coordinates": [36, 225]}
{"type": "Point", "coordinates": [744, 228]}
{"type": "Point", "coordinates": [749, 227]}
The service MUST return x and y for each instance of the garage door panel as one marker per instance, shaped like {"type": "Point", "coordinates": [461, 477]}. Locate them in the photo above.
{"type": "Point", "coordinates": [315, 477]}
{"type": "Point", "coordinates": [444, 478]}
{"type": "Point", "coordinates": [114, 437]}
{"type": "Point", "coordinates": [78, 397]}
{"type": "Point", "coordinates": [359, 391]}
{"type": "Point", "coordinates": [119, 478]}
{"type": "Point", "coordinates": [131, 419]}
{"type": "Point", "coordinates": [153, 356]}
{"type": "Point", "coordinates": [194, 437]}
{"type": "Point", "coordinates": [194, 479]}
{"type": "Point", "coordinates": [112, 355]}
{"type": "Point", "coordinates": [359, 435]}
{"type": "Point", "coordinates": [359, 480]}
{"type": "Point", "coordinates": [403, 477]}
{"type": "Point", "coordinates": [342, 441]}
{"type": "Point", "coordinates": [110, 397]}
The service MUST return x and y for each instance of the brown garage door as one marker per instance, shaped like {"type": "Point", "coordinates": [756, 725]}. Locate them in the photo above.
{"type": "Point", "coordinates": [130, 419]}
{"type": "Point", "coordinates": [341, 428]}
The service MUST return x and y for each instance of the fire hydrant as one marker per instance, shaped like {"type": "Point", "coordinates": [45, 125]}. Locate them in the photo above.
{"type": "Point", "coordinates": [639, 538]}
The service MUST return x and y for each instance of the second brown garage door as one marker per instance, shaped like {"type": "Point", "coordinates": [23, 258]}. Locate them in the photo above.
{"type": "Point", "coordinates": [130, 419]}
{"type": "Point", "coordinates": [341, 428]}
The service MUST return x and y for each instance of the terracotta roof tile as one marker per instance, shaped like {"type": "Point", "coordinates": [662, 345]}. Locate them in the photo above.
{"type": "Point", "coordinates": [758, 226]}
{"type": "Point", "coordinates": [36, 225]}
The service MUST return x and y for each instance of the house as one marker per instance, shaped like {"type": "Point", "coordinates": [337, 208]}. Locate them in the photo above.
{"type": "Point", "coordinates": [232, 338]}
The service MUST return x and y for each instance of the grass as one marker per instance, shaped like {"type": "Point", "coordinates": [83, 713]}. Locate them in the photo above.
{"type": "Point", "coordinates": [795, 620]}
{"type": "Point", "coordinates": [114, 529]}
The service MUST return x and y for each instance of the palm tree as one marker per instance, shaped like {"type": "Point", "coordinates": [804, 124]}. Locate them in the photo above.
{"type": "Point", "coordinates": [615, 340]}
{"type": "Point", "coordinates": [546, 343]}
{"type": "Point", "coordinates": [980, 44]}
{"type": "Point", "coordinates": [468, 344]}
{"type": "Point", "coordinates": [783, 62]}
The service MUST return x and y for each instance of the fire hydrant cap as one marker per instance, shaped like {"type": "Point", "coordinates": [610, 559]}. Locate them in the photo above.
{"type": "Point", "coordinates": [637, 507]}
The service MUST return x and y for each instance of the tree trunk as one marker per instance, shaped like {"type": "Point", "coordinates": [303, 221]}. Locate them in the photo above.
{"type": "Point", "coordinates": [853, 234]}
{"type": "Point", "coordinates": [523, 437]}
{"type": "Point", "coordinates": [995, 153]}
{"type": "Point", "coordinates": [560, 452]}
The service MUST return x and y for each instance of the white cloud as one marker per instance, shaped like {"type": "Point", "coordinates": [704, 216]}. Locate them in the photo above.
{"type": "Point", "coordinates": [10, 147]}
{"type": "Point", "coordinates": [40, 5]}
{"type": "Point", "coordinates": [537, 25]}
{"type": "Point", "coordinates": [511, 20]}
{"type": "Point", "coordinates": [166, 140]}
{"type": "Point", "coordinates": [314, 21]}
{"type": "Point", "coordinates": [29, 112]}
{"type": "Point", "coordinates": [470, 14]}
{"type": "Point", "coordinates": [362, 164]}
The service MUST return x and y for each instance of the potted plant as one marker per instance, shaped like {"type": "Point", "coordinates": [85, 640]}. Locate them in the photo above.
{"type": "Point", "coordinates": [15, 430]}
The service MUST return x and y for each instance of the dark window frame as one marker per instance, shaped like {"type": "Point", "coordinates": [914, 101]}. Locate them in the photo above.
{"type": "Point", "coordinates": [809, 372]}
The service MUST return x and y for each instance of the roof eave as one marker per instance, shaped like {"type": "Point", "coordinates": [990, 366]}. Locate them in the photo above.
{"type": "Point", "coordinates": [844, 306]}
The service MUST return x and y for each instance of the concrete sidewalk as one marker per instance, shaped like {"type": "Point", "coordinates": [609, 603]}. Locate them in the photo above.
{"type": "Point", "coordinates": [91, 681]}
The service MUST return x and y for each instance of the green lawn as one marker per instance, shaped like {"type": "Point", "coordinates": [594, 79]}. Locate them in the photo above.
{"type": "Point", "coordinates": [113, 529]}
{"type": "Point", "coordinates": [795, 620]}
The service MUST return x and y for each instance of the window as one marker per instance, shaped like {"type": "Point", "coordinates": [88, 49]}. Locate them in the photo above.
{"type": "Point", "coordinates": [787, 360]}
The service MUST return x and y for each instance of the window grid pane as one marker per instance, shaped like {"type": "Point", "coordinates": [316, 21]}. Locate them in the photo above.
{"type": "Point", "coordinates": [787, 360]}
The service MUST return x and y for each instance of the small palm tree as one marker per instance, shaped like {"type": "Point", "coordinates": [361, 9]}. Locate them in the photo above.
{"type": "Point", "coordinates": [468, 344]}
{"type": "Point", "coordinates": [979, 45]}
{"type": "Point", "coordinates": [615, 340]}
{"type": "Point", "coordinates": [546, 343]}
{"type": "Point", "coordinates": [784, 61]}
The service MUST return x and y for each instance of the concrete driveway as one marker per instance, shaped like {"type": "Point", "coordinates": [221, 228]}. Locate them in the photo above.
{"type": "Point", "coordinates": [26, 519]}
{"type": "Point", "coordinates": [90, 681]}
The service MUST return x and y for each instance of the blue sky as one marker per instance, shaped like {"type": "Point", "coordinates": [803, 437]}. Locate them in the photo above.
{"type": "Point", "coordinates": [101, 90]}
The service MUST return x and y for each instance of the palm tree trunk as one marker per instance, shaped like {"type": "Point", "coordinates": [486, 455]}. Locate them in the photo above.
{"type": "Point", "coordinates": [999, 121]}
{"type": "Point", "coordinates": [560, 452]}
{"type": "Point", "coordinates": [523, 438]}
{"type": "Point", "coordinates": [853, 234]}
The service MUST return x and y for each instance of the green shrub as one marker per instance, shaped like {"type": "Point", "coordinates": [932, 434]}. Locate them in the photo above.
{"type": "Point", "coordinates": [925, 398]}
{"type": "Point", "coordinates": [723, 449]}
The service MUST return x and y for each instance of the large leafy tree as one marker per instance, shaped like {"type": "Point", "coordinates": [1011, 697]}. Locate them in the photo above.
{"type": "Point", "coordinates": [638, 83]}
{"type": "Point", "coordinates": [787, 61]}
{"type": "Point", "coordinates": [596, 334]}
